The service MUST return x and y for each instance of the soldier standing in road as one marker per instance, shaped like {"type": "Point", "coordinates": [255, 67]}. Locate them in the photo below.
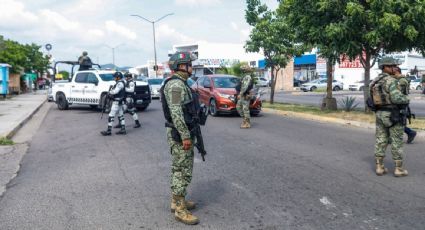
{"type": "Point", "coordinates": [118, 96]}
{"type": "Point", "coordinates": [128, 106]}
{"type": "Point", "coordinates": [84, 61]}
{"type": "Point", "coordinates": [404, 87]}
{"type": "Point", "coordinates": [389, 102]}
{"type": "Point", "coordinates": [244, 97]}
{"type": "Point", "coordinates": [176, 96]}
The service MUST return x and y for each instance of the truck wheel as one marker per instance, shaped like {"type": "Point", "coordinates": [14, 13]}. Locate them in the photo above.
{"type": "Point", "coordinates": [62, 102]}
{"type": "Point", "coordinates": [142, 108]}
{"type": "Point", "coordinates": [93, 106]}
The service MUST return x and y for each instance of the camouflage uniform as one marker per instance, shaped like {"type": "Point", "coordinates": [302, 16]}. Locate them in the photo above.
{"type": "Point", "coordinates": [177, 94]}
{"type": "Point", "coordinates": [386, 130]}
{"type": "Point", "coordinates": [242, 105]}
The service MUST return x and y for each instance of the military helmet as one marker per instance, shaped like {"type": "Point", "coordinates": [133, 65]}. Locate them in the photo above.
{"type": "Point", "coordinates": [128, 75]}
{"type": "Point", "coordinates": [118, 75]}
{"type": "Point", "coordinates": [245, 68]}
{"type": "Point", "coordinates": [85, 53]}
{"type": "Point", "coordinates": [387, 61]}
{"type": "Point", "coordinates": [181, 58]}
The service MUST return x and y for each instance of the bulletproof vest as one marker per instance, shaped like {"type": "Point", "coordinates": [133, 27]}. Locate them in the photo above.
{"type": "Point", "coordinates": [127, 85]}
{"type": "Point", "coordinates": [121, 94]}
{"type": "Point", "coordinates": [190, 110]}
{"type": "Point", "coordinates": [380, 96]}
{"type": "Point", "coordinates": [239, 86]}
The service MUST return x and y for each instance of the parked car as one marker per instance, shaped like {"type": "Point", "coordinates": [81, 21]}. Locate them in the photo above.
{"type": "Point", "coordinates": [155, 84]}
{"type": "Point", "coordinates": [298, 82]}
{"type": "Point", "coordinates": [357, 86]}
{"type": "Point", "coordinates": [219, 94]}
{"type": "Point", "coordinates": [321, 84]}
{"type": "Point", "coordinates": [262, 82]}
{"type": "Point", "coordinates": [416, 84]}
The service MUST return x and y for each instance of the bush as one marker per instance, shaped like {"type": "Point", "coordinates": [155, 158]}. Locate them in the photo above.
{"type": "Point", "coordinates": [348, 103]}
{"type": "Point", "coordinates": [5, 141]}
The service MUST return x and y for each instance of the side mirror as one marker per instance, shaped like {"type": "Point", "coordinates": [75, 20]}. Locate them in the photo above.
{"type": "Point", "coordinates": [96, 83]}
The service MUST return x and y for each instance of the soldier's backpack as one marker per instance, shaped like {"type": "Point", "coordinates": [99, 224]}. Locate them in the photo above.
{"type": "Point", "coordinates": [378, 96]}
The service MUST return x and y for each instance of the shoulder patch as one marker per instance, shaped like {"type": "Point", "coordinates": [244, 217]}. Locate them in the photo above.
{"type": "Point", "coordinates": [176, 95]}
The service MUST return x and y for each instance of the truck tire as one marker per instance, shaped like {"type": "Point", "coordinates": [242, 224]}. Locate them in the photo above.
{"type": "Point", "coordinates": [61, 101]}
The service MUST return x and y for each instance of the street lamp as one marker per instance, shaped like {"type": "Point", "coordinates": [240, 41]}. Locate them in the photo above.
{"type": "Point", "coordinates": [113, 51]}
{"type": "Point", "coordinates": [154, 42]}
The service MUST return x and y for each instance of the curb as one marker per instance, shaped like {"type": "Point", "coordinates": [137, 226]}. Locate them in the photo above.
{"type": "Point", "coordinates": [22, 123]}
{"type": "Point", "coordinates": [419, 135]}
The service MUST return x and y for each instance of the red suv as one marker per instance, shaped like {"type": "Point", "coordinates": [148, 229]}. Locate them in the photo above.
{"type": "Point", "coordinates": [218, 92]}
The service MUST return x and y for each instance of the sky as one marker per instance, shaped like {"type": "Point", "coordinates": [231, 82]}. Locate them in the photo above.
{"type": "Point", "coordinates": [96, 26]}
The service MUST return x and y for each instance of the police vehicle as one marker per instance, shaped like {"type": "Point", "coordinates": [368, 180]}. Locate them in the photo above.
{"type": "Point", "coordinates": [90, 87]}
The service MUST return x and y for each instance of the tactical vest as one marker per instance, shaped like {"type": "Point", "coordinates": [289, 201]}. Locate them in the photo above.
{"type": "Point", "coordinates": [121, 94]}
{"type": "Point", "coordinates": [127, 85]}
{"type": "Point", "coordinates": [381, 98]}
{"type": "Point", "coordinates": [239, 86]}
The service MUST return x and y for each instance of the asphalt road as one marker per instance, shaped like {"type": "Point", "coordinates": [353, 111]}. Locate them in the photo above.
{"type": "Point", "coordinates": [283, 173]}
{"type": "Point", "coordinates": [417, 100]}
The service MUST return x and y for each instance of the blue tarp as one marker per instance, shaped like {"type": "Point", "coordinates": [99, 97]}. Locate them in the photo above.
{"type": "Point", "coordinates": [261, 64]}
{"type": "Point", "coordinates": [309, 59]}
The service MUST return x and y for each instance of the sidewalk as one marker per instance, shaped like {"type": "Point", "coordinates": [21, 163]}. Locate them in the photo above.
{"type": "Point", "coordinates": [16, 111]}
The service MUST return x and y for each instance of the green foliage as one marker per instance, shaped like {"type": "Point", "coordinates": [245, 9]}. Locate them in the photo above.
{"type": "Point", "coordinates": [272, 36]}
{"type": "Point", "coordinates": [26, 58]}
{"type": "Point", "coordinates": [65, 74]}
{"type": "Point", "coordinates": [348, 103]}
{"type": "Point", "coordinates": [234, 70]}
{"type": "Point", "coordinates": [6, 141]}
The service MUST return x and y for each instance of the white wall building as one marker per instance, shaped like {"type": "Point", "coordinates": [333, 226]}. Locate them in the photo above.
{"type": "Point", "coordinates": [147, 70]}
{"type": "Point", "coordinates": [215, 55]}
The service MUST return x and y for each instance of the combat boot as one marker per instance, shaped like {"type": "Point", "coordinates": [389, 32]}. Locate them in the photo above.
{"type": "Point", "coordinates": [137, 125]}
{"type": "Point", "coordinates": [411, 137]}
{"type": "Point", "coordinates": [182, 214]}
{"type": "Point", "coordinates": [248, 123]}
{"type": "Point", "coordinates": [399, 171]}
{"type": "Point", "coordinates": [380, 168]}
{"type": "Point", "coordinates": [122, 131]}
{"type": "Point", "coordinates": [107, 132]}
{"type": "Point", "coordinates": [189, 204]}
{"type": "Point", "coordinates": [243, 124]}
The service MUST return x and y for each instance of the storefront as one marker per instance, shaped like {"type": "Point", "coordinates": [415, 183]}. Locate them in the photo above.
{"type": "Point", "coordinates": [305, 67]}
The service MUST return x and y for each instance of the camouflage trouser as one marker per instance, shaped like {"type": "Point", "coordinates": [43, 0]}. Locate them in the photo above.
{"type": "Point", "coordinates": [243, 107]}
{"type": "Point", "coordinates": [182, 166]}
{"type": "Point", "coordinates": [386, 134]}
{"type": "Point", "coordinates": [130, 108]}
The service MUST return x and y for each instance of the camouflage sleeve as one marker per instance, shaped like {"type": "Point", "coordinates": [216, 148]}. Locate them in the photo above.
{"type": "Point", "coordinates": [175, 97]}
{"type": "Point", "coordinates": [245, 84]}
{"type": "Point", "coordinates": [404, 85]}
{"type": "Point", "coordinates": [396, 96]}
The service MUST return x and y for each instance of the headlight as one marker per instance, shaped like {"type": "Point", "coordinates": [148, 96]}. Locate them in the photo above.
{"type": "Point", "coordinates": [228, 96]}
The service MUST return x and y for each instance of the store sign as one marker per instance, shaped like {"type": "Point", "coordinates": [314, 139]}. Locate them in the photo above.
{"type": "Point", "coordinates": [346, 63]}
{"type": "Point", "coordinates": [320, 65]}
{"type": "Point", "coordinates": [217, 62]}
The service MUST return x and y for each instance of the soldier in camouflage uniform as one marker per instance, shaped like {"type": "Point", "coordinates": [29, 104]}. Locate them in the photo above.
{"type": "Point", "coordinates": [244, 97]}
{"type": "Point", "coordinates": [404, 84]}
{"type": "Point", "coordinates": [177, 94]}
{"type": "Point", "coordinates": [388, 100]}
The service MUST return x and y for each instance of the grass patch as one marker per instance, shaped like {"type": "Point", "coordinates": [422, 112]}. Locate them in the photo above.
{"type": "Point", "coordinates": [356, 115]}
{"type": "Point", "coordinates": [5, 141]}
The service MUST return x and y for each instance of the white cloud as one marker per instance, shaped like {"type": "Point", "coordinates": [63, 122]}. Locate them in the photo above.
{"type": "Point", "coordinates": [13, 14]}
{"type": "Point", "coordinates": [165, 32]}
{"type": "Point", "coordinates": [234, 26]}
{"type": "Point", "coordinates": [197, 2]}
{"type": "Point", "coordinates": [95, 33]}
{"type": "Point", "coordinates": [59, 20]}
{"type": "Point", "coordinates": [114, 27]}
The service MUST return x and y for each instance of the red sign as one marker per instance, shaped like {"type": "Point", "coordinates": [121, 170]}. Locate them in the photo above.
{"type": "Point", "coordinates": [346, 63]}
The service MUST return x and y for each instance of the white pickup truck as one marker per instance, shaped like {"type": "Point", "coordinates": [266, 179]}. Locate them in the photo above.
{"type": "Point", "coordinates": [90, 87]}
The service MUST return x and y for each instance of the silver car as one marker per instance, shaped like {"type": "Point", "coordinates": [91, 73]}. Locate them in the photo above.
{"type": "Point", "coordinates": [155, 84]}
{"type": "Point", "coordinates": [321, 83]}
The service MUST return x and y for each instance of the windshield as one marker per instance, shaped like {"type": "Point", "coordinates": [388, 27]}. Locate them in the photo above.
{"type": "Point", "coordinates": [107, 77]}
{"type": "Point", "coordinates": [225, 82]}
{"type": "Point", "coordinates": [141, 78]}
{"type": "Point", "coordinates": [156, 81]}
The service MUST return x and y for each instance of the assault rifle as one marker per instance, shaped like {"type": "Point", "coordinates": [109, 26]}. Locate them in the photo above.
{"type": "Point", "coordinates": [199, 116]}
{"type": "Point", "coordinates": [410, 115]}
{"type": "Point", "coordinates": [106, 101]}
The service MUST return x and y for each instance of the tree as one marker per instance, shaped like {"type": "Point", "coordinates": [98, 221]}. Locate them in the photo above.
{"type": "Point", "coordinates": [357, 28]}
{"type": "Point", "coordinates": [272, 36]}
{"type": "Point", "coordinates": [64, 74]}
{"type": "Point", "coordinates": [235, 69]}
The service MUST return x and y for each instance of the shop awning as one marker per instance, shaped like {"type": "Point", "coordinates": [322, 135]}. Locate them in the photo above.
{"type": "Point", "coordinates": [309, 59]}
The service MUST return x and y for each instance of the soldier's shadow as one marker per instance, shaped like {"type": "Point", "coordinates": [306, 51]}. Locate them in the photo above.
{"type": "Point", "coordinates": [207, 192]}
